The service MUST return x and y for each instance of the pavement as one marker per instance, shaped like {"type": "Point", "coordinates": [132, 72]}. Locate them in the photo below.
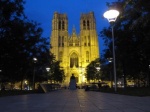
{"type": "Point", "coordinates": [74, 101]}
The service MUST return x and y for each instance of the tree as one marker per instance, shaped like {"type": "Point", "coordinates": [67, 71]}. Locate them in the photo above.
{"type": "Point", "coordinates": [57, 73]}
{"type": "Point", "coordinates": [92, 72]}
{"type": "Point", "coordinates": [20, 41]}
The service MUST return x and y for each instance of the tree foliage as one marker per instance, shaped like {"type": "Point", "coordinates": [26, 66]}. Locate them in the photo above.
{"type": "Point", "coordinates": [20, 41]}
{"type": "Point", "coordinates": [57, 73]}
{"type": "Point", "coordinates": [93, 71]}
{"type": "Point", "coordinates": [132, 42]}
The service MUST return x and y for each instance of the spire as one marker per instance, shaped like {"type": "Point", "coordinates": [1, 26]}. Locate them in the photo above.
{"type": "Point", "coordinates": [74, 35]}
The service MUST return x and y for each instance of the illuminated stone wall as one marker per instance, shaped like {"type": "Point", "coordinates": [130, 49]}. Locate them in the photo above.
{"type": "Point", "coordinates": [74, 51]}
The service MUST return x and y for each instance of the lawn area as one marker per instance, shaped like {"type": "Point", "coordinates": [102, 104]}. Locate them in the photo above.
{"type": "Point", "coordinates": [133, 91]}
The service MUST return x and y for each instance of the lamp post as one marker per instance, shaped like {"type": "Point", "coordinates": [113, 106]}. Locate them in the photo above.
{"type": "Point", "coordinates": [149, 76]}
{"type": "Point", "coordinates": [34, 60]}
{"type": "Point", "coordinates": [112, 15]}
{"type": "Point", "coordinates": [0, 75]}
{"type": "Point", "coordinates": [47, 69]}
{"type": "Point", "coordinates": [98, 69]}
{"type": "Point", "coordinates": [110, 61]}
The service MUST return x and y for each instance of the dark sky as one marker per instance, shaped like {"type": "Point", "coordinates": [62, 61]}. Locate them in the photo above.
{"type": "Point", "coordinates": [42, 12]}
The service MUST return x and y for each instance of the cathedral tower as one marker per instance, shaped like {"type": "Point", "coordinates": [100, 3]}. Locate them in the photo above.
{"type": "Point", "coordinates": [74, 51]}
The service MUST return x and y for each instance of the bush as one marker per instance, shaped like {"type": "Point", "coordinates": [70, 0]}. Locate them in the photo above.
{"type": "Point", "coordinates": [133, 91]}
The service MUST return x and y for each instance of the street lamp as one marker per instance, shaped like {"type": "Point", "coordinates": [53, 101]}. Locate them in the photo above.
{"type": "Point", "coordinates": [112, 15]}
{"type": "Point", "coordinates": [98, 69]}
{"type": "Point", "coordinates": [110, 60]}
{"type": "Point", "coordinates": [34, 60]}
{"type": "Point", "coordinates": [47, 69]}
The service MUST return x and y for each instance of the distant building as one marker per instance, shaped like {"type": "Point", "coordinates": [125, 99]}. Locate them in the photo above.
{"type": "Point", "coordinates": [74, 51]}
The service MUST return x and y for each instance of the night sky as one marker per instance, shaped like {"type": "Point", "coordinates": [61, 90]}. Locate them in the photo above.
{"type": "Point", "coordinates": [42, 12]}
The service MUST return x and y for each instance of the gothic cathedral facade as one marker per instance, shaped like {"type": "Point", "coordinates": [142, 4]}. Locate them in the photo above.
{"type": "Point", "coordinates": [74, 51]}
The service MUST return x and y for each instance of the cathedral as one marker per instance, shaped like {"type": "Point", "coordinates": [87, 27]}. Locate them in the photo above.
{"type": "Point", "coordinates": [74, 51]}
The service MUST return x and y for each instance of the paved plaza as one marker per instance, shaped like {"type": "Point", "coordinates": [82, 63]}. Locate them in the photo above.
{"type": "Point", "coordinates": [74, 101]}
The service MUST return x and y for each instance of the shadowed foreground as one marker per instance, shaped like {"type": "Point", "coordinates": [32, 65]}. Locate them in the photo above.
{"type": "Point", "coordinates": [74, 101]}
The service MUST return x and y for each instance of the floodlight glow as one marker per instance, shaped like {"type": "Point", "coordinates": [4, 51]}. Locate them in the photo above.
{"type": "Point", "coordinates": [111, 15]}
{"type": "Point", "coordinates": [35, 59]}
{"type": "Point", "coordinates": [98, 68]}
{"type": "Point", "coordinates": [48, 69]}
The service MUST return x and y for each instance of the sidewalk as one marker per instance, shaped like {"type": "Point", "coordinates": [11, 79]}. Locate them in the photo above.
{"type": "Point", "coordinates": [74, 101]}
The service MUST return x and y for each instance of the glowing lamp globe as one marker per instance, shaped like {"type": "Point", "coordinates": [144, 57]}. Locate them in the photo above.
{"type": "Point", "coordinates": [34, 59]}
{"type": "Point", "coordinates": [48, 69]}
{"type": "Point", "coordinates": [111, 15]}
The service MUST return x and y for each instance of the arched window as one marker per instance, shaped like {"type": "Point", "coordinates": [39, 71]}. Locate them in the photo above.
{"type": "Point", "coordinates": [60, 56]}
{"type": "Point", "coordinates": [59, 41]}
{"type": "Point", "coordinates": [85, 41]}
{"type": "Point", "coordinates": [73, 60]}
{"type": "Point", "coordinates": [62, 41]}
{"type": "Point", "coordinates": [87, 56]}
{"type": "Point", "coordinates": [88, 25]}
{"type": "Point", "coordinates": [59, 25]}
{"type": "Point", "coordinates": [63, 25]}
{"type": "Point", "coordinates": [88, 40]}
{"type": "Point", "coordinates": [84, 24]}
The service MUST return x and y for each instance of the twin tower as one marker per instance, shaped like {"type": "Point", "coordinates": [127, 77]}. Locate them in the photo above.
{"type": "Point", "coordinates": [74, 51]}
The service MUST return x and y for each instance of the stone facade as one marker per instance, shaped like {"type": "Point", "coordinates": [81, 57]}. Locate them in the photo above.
{"type": "Point", "coordinates": [74, 51]}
